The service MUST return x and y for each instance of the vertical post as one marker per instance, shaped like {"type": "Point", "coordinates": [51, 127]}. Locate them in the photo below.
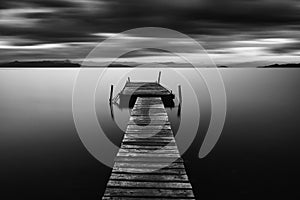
{"type": "Point", "coordinates": [112, 111]}
{"type": "Point", "coordinates": [180, 95]}
{"type": "Point", "coordinates": [111, 93]}
{"type": "Point", "coordinates": [159, 75]}
{"type": "Point", "coordinates": [179, 110]}
{"type": "Point", "coordinates": [128, 79]}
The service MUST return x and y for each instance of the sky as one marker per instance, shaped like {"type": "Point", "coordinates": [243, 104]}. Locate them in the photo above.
{"type": "Point", "coordinates": [243, 33]}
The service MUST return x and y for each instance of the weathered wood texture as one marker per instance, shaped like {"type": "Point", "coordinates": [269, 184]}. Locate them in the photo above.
{"type": "Point", "coordinates": [148, 164]}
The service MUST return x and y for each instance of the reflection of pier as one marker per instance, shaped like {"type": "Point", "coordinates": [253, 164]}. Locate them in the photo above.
{"type": "Point", "coordinates": [148, 164]}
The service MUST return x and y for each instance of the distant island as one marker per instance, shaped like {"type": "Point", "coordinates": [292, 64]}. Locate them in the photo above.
{"type": "Point", "coordinates": [40, 64]}
{"type": "Point", "coordinates": [222, 66]}
{"type": "Point", "coordinates": [282, 66]}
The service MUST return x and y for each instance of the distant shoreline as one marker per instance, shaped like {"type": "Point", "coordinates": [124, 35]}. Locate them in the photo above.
{"type": "Point", "coordinates": [69, 64]}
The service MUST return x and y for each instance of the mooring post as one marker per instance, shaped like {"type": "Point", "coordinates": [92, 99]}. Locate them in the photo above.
{"type": "Point", "coordinates": [111, 93]}
{"type": "Point", "coordinates": [179, 110]}
{"type": "Point", "coordinates": [112, 111]}
{"type": "Point", "coordinates": [179, 94]}
{"type": "Point", "coordinates": [159, 75]}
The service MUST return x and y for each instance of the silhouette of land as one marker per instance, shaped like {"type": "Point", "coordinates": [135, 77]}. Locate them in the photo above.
{"type": "Point", "coordinates": [282, 66]}
{"type": "Point", "coordinates": [69, 64]}
{"type": "Point", "coordinates": [40, 64]}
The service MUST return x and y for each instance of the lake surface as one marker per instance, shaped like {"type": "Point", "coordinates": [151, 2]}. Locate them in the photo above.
{"type": "Point", "coordinates": [257, 155]}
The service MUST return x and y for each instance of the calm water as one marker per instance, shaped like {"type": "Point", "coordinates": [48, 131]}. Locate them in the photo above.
{"type": "Point", "coordinates": [257, 155]}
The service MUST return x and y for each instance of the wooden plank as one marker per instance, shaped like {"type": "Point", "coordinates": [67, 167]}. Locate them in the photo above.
{"type": "Point", "coordinates": [138, 113]}
{"type": "Point", "coordinates": [143, 138]}
{"type": "Point", "coordinates": [148, 120]}
{"type": "Point", "coordinates": [154, 136]}
{"type": "Point", "coordinates": [151, 140]}
{"type": "Point", "coordinates": [150, 177]}
{"type": "Point", "coordinates": [149, 165]}
{"type": "Point", "coordinates": [147, 170]}
{"type": "Point", "coordinates": [148, 193]}
{"type": "Point", "coordinates": [150, 127]}
{"type": "Point", "coordinates": [147, 114]}
{"type": "Point", "coordinates": [153, 108]}
{"type": "Point", "coordinates": [146, 88]}
{"type": "Point", "coordinates": [160, 118]}
{"type": "Point", "coordinates": [139, 106]}
{"type": "Point", "coordinates": [163, 131]}
{"type": "Point", "coordinates": [151, 155]}
{"type": "Point", "coordinates": [156, 110]}
{"type": "Point", "coordinates": [150, 160]}
{"type": "Point", "coordinates": [152, 147]}
{"type": "Point", "coordinates": [149, 136]}
{"type": "Point", "coordinates": [148, 140]}
{"type": "Point", "coordinates": [149, 103]}
{"type": "Point", "coordinates": [157, 131]}
{"type": "Point", "coordinates": [140, 184]}
{"type": "Point", "coordinates": [155, 145]}
{"type": "Point", "coordinates": [152, 100]}
{"type": "Point", "coordinates": [145, 198]}
{"type": "Point", "coordinates": [159, 151]}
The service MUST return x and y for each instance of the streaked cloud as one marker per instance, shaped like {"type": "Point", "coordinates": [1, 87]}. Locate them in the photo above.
{"type": "Point", "coordinates": [20, 17]}
{"type": "Point", "coordinates": [4, 46]}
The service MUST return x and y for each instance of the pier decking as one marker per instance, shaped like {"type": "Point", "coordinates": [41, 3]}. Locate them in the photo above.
{"type": "Point", "coordinates": [132, 90]}
{"type": "Point", "coordinates": [142, 169]}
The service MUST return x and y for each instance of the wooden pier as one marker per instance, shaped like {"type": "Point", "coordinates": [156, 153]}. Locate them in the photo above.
{"type": "Point", "coordinates": [148, 164]}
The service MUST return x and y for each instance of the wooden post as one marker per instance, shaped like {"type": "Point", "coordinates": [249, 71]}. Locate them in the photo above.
{"type": "Point", "coordinates": [179, 94]}
{"type": "Point", "coordinates": [128, 79]}
{"type": "Point", "coordinates": [179, 110]}
{"type": "Point", "coordinates": [159, 75]}
{"type": "Point", "coordinates": [111, 93]}
{"type": "Point", "coordinates": [112, 111]}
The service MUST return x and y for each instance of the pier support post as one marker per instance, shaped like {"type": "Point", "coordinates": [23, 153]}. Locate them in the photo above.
{"type": "Point", "coordinates": [179, 94]}
{"type": "Point", "coordinates": [111, 93]}
{"type": "Point", "coordinates": [159, 75]}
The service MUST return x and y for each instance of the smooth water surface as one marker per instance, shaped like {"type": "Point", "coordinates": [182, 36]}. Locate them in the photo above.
{"type": "Point", "coordinates": [42, 156]}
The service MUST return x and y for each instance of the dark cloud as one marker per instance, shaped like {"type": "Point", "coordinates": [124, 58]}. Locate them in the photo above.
{"type": "Point", "coordinates": [191, 17]}
{"type": "Point", "coordinates": [146, 52]}
{"type": "Point", "coordinates": [206, 16]}
{"type": "Point", "coordinates": [287, 49]}
{"type": "Point", "coordinates": [44, 3]}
